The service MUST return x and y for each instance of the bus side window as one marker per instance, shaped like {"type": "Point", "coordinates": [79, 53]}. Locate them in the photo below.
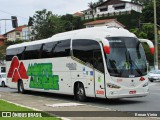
{"type": "Point", "coordinates": [85, 50]}
{"type": "Point", "coordinates": [11, 53]}
{"type": "Point", "coordinates": [62, 49]}
{"type": "Point", "coordinates": [20, 53]}
{"type": "Point", "coordinates": [32, 52]}
{"type": "Point", "coordinates": [48, 49]}
{"type": "Point", "coordinates": [98, 60]}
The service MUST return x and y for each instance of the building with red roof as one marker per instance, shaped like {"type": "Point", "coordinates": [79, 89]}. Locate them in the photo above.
{"type": "Point", "coordinates": [15, 34]}
{"type": "Point", "coordinates": [106, 22]}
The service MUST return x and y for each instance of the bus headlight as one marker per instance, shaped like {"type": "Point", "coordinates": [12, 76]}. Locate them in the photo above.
{"type": "Point", "coordinates": [146, 84]}
{"type": "Point", "coordinates": [110, 85]}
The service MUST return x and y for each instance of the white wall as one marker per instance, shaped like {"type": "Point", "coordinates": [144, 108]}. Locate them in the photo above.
{"type": "Point", "coordinates": [26, 33]}
{"type": "Point", "coordinates": [128, 7]}
{"type": "Point", "coordinates": [113, 23]}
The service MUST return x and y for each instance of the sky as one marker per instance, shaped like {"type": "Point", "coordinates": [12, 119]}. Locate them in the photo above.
{"type": "Point", "coordinates": [25, 8]}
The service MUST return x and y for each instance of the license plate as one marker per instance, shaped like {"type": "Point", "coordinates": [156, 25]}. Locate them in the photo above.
{"type": "Point", "coordinates": [132, 92]}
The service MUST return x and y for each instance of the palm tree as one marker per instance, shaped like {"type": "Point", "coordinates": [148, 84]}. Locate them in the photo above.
{"type": "Point", "coordinates": [91, 5]}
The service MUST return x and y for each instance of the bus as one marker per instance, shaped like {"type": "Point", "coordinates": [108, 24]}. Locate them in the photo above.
{"type": "Point", "coordinates": [100, 62]}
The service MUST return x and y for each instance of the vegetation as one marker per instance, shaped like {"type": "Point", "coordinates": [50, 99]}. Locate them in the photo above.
{"type": "Point", "coordinates": [5, 106]}
{"type": "Point", "coordinates": [6, 44]}
{"type": "Point", "coordinates": [45, 24]}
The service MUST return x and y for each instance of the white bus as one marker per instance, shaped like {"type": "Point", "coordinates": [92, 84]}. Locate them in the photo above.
{"type": "Point", "coordinates": [102, 62]}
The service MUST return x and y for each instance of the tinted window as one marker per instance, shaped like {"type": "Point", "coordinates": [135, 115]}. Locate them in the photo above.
{"type": "Point", "coordinates": [32, 52]}
{"type": "Point", "coordinates": [11, 53]}
{"type": "Point", "coordinates": [48, 49]}
{"type": "Point", "coordinates": [88, 51]}
{"type": "Point", "coordinates": [62, 49]}
{"type": "Point", "coordinates": [20, 53]}
{"type": "Point", "coordinates": [3, 69]}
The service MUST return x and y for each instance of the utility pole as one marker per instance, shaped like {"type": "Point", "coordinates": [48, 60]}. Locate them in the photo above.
{"type": "Point", "coordinates": [5, 23]}
{"type": "Point", "coordinates": [155, 34]}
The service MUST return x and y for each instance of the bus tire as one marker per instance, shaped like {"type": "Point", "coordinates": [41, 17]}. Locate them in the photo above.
{"type": "Point", "coordinates": [80, 93]}
{"type": "Point", "coordinates": [21, 87]}
{"type": "Point", "coordinates": [3, 84]}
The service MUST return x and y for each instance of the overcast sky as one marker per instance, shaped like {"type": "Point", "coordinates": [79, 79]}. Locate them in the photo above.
{"type": "Point", "coordinates": [25, 8]}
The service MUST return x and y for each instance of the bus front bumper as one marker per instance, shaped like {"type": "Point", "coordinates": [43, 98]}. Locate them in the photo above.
{"type": "Point", "coordinates": [127, 93]}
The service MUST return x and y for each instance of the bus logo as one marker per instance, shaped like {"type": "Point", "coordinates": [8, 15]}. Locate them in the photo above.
{"type": "Point", "coordinates": [17, 70]}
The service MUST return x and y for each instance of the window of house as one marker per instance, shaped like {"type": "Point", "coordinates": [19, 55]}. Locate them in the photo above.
{"type": "Point", "coordinates": [119, 7]}
{"type": "Point", "coordinates": [18, 33]}
{"type": "Point", "coordinates": [103, 9]}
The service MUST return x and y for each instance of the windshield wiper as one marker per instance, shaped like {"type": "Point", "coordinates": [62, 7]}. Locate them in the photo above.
{"type": "Point", "coordinates": [132, 62]}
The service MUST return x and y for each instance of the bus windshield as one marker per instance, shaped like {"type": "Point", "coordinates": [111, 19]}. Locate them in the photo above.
{"type": "Point", "coordinates": [127, 57]}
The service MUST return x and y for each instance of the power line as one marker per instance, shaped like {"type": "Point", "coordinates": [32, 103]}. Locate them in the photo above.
{"type": "Point", "coordinates": [13, 14]}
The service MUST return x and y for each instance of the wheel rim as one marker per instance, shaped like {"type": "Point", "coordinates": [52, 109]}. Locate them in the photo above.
{"type": "Point", "coordinates": [21, 87]}
{"type": "Point", "coordinates": [80, 93]}
{"type": "Point", "coordinates": [3, 84]}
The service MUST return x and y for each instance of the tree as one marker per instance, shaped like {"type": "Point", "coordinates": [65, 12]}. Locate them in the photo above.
{"type": "Point", "coordinates": [147, 15]}
{"type": "Point", "coordinates": [71, 22]}
{"type": "Point", "coordinates": [146, 31]}
{"type": "Point", "coordinates": [45, 24]}
{"type": "Point", "coordinates": [100, 2]}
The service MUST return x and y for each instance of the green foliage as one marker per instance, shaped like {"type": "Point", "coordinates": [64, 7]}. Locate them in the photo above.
{"type": "Point", "coordinates": [146, 31]}
{"type": "Point", "coordinates": [147, 15]}
{"type": "Point", "coordinates": [71, 23]}
{"type": "Point", "coordinates": [45, 24]}
{"type": "Point", "coordinates": [8, 43]}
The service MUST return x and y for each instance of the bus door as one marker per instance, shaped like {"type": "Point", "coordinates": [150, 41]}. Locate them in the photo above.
{"type": "Point", "coordinates": [99, 77]}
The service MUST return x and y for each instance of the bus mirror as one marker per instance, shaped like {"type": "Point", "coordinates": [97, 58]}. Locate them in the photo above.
{"type": "Point", "coordinates": [150, 44]}
{"type": "Point", "coordinates": [152, 50]}
{"type": "Point", "coordinates": [106, 49]}
{"type": "Point", "coordinates": [106, 46]}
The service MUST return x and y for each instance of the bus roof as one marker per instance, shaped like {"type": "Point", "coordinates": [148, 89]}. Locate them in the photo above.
{"type": "Point", "coordinates": [95, 33]}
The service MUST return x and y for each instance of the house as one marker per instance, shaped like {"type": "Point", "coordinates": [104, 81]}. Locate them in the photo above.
{"type": "Point", "coordinates": [78, 14]}
{"type": "Point", "coordinates": [15, 34]}
{"type": "Point", "coordinates": [26, 33]}
{"type": "Point", "coordinates": [2, 38]}
{"type": "Point", "coordinates": [106, 22]}
{"type": "Point", "coordinates": [111, 8]}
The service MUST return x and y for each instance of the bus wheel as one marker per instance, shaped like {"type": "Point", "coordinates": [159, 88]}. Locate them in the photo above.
{"type": "Point", "coordinates": [20, 87]}
{"type": "Point", "coordinates": [80, 93]}
{"type": "Point", "coordinates": [3, 84]}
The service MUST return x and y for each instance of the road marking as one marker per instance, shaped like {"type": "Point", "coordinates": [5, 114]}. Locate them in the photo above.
{"type": "Point", "coordinates": [63, 118]}
{"type": "Point", "coordinates": [64, 104]}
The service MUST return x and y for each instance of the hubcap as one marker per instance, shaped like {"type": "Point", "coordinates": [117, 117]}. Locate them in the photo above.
{"type": "Point", "coordinates": [80, 92]}
{"type": "Point", "coordinates": [21, 87]}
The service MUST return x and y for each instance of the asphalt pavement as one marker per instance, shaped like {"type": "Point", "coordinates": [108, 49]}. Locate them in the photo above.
{"type": "Point", "coordinates": [51, 102]}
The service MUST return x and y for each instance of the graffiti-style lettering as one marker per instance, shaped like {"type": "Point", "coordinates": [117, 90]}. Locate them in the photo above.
{"type": "Point", "coordinates": [41, 76]}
